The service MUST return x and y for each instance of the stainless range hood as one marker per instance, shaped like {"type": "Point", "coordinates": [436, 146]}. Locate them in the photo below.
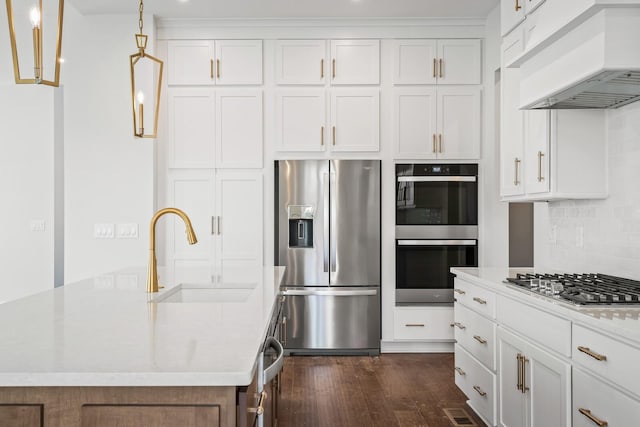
{"type": "Point", "coordinates": [594, 66]}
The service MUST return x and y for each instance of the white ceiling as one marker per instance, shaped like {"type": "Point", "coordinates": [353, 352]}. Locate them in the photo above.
{"type": "Point", "coordinates": [293, 8]}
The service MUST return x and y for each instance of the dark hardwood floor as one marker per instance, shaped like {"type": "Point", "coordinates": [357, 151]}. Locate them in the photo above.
{"type": "Point", "coordinates": [389, 390]}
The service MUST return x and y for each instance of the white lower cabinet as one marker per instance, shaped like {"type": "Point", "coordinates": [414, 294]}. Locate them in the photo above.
{"type": "Point", "coordinates": [478, 383]}
{"type": "Point", "coordinates": [423, 323]}
{"type": "Point", "coordinates": [226, 211]}
{"type": "Point", "coordinates": [535, 387]}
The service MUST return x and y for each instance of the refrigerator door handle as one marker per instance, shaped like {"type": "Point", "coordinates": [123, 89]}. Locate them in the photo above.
{"type": "Point", "coordinates": [333, 243]}
{"type": "Point", "coordinates": [325, 213]}
{"type": "Point", "coordinates": [333, 292]}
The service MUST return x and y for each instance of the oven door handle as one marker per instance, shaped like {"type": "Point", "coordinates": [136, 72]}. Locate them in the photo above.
{"type": "Point", "coordinates": [437, 242]}
{"type": "Point", "coordinates": [437, 178]}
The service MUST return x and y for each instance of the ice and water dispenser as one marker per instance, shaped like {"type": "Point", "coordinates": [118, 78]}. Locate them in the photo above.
{"type": "Point", "coordinates": [300, 226]}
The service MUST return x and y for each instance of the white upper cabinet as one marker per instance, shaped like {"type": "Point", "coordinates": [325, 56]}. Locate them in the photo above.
{"type": "Point", "coordinates": [355, 62]}
{"type": "Point", "coordinates": [455, 61]}
{"type": "Point", "coordinates": [223, 62]}
{"type": "Point", "coordinates": [511, 14]}
{"type": "Point", "coordinates": [537, 137]}
{"type": "Point", "coordinates": [239, 134]}
{"type": "Point", "coordinates": [301, 62]}
{"type": "Point", "coordinates": [442, 123]}
{"type": "Point", "coordinates": [355, 120]}
{"type": "Point", "coordinates": [301, 120]}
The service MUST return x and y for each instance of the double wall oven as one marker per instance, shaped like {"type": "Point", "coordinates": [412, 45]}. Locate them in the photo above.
{"type": "Point", "coordinates": [436, 229]}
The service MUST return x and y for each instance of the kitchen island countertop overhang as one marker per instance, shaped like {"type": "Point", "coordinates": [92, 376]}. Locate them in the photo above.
{"type": "Point", "coordinates": [107, 331]}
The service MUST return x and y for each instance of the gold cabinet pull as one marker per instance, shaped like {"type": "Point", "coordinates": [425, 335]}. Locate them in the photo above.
{"type": "Point", "coordinates": [588, 351]}
{"type": "Point", "coordinates": [333, 135]}
{"type": "Point", "coordinates": [597, 421]}
{"type": "Point", "coordinates": [219, 225]}
{"type": "Point", "coordinates": [218, 68]}
{"type": "Point", "coordinates": [479, 300]}
{"type": "Point", "coordinates": [460, 371]}
{"type": "Point", "coordinates": [518, 7]}
{"type": "Point", "coordinates": [459, 325]}
{"type": "Point", "coordinates": [322, 68]}
{"type": "Point", "coordinates": [516, 182]}
{"type": "Point", "coordinates": [479, 339]}
{"type": "Point", "coordinates": [211, 68]}
{"type": "Point", "coordinates": [440, 142]}
{"type": "Point", "coordinates": [260, 409]}
{"type": "Point", "coordinates": [479, 390]}
{"type": "Point", "coordinates": [435, 65]}
{"type": "Point", "coordinates": [459, 291]}
{"type": "Point", "coordinates": [322, 135]}
{"type": "Point", "coordinates": [540, 156]}
{"type": "Point", "coordinates": [524, 362]}
{"type": "Point", "coordinates": [519, 368]}
{"type": "Point", "coordinates": [213, 225]}
{"type": "Point", "coordinates": [333, 69]}
{"type": "Point", "coordinates": [414, 325]}
{"type": "Point", "coordinates": [433, 146]}
{"type": "Point", "coordinates": [440, 61]}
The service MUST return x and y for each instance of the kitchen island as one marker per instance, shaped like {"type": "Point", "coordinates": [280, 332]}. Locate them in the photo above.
{"type": "Point", "coordinates": [103, 350]}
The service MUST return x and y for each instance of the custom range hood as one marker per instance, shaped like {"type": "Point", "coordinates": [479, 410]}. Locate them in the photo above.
{"type": "Point", "coordinates": [595, 65]}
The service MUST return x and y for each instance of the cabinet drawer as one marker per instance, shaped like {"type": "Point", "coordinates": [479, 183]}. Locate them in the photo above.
{"type": "Point", "coordinates": [477, 382]}
{"type": "Point", "coordinates": [478, 299]}
{"type": "Point", "coordinates": [620, 363]}
{"type": "Point", "coordinates": [550, 331]}
{"type": "Point", "coordinates": [476, 334]}
{"type": "Point", "coordinates": [602, 403]}
{"type": "Point", "coordinates": [419, 323]}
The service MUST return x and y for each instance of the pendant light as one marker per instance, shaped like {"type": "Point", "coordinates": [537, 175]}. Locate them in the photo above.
{"type": "Point", "coordinates": [144, 69]}
{"type": "Point", "coordinates": [19, 17]}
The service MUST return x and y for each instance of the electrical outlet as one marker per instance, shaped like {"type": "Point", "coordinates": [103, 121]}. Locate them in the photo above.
{"type": "Point", "coordinates": [37, 225]}
{"type": "Point", "coordinates": [580, 236]}
{"type": "Point", "coordinates": [127, 231]}
{"type": "Point", "coordinates": [103, 231]}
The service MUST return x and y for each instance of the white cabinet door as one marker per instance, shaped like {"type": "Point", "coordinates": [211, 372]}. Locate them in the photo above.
{"type": "Point", "coordinates": [459, 129]}
{"type": "Point", "coordinates": [239, 225]}
{"type": "Point", "coordinates": [191, 128]}
{"type": "Point", "coordinates": [511, 135]}
{"type": "Point", "coordinates": [415, 61]}
{"type": "Point", "coordinates": [537, 136]}
{"type": "Point", "coordinates": [549, 394]}
{"type": "Point", "coordinates": [355, 120]}
{"type": "Point", "coordinates": [301, 62]}
{"type": "Point", "coordinates": [301, 120]}
{"type": "Point", "coordinates": [531, 5]}
{"type": "Point", "coordinates": [239, 134]}
{"type": "Point", "coordinates": [355, 62]}
{"type": "Point", "coordinates": [415, 125]}
{"type": "Point", "coordinates": [511, 14]}
{"type": "Point", "coordinates": [459, 62]}
{"type": "Point", "coordinates": [513, 404]}
{"type": "Point", "coordinates": [190, 62]}
{"type": "Point", "coordinates": [238, 62]}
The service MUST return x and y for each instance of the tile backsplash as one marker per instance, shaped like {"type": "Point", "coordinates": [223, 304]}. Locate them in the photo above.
{"type": "Point", "coordinates": [599, 235]}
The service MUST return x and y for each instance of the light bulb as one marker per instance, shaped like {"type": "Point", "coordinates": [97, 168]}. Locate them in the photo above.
{"type": "Point", "coordinates": [34, 15]}
{"type": "Point", "coordinates": [140, 97]}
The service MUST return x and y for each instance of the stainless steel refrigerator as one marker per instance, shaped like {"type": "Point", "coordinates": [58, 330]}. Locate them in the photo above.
{"type": "Point", "coordinates": [328, 237]}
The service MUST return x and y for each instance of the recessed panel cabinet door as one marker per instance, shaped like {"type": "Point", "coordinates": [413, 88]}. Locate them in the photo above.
{"type": "Point", "coordinates": [301, 62]}
{"type": "Point", "coordinates": [355, 62]}
{"type": "Point", "coordinates": [238, 62]}
{"type": "Point", "coordinates": [511, 135]}
{"type": "Point", "coordinates": [537, 139]}
{"type": "Point", "coordinates": [512, 406]}
{"type": "Point", "coordinates": [355, 120]}
{"type": "Point", "coordinates": [511, 14]}
{"type": "Point", "coordinates": [459, 129]}
{"type": "Point", "coordinates": [191, 128]}
{"type": "Point", "coordinates": [190, 62]}
{"type": "Point", "coordinates": [239, 134]}
{"type": "Point", "coordinates": [415, 123]}
{"type": "Point", "coordinates": [415, 62]}
{"type": "Point", "coordinates": [301, 120]}
{"type": "Point", "coordinates": [461, 62]}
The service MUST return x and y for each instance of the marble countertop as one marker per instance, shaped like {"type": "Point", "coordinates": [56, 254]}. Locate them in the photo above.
{"type": "Point", "coordinates": [108, 331]}
{"type": "Point", "coordinates": [623, 322]}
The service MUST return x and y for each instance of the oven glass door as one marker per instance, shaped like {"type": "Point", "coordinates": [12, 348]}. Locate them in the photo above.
{"type": "Point", "coordinates": [436, 200]}
{"type": "Point", "coordinates": [422, 268]}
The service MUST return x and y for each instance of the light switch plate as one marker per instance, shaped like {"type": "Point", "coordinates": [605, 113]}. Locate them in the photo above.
{"type": "Point", "coordinates": [37, 225]}
{"type": "Point", "coordinates": [127, 231]}
{"type": "Point", "coordinates": [103, 231]}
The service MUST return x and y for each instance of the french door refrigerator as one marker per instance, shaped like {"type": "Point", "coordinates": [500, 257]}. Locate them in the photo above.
{"type": "Point", "coordinates": [327, 226]}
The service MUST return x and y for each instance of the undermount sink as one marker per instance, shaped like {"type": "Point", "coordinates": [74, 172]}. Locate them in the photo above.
{"type": "Point", "coordinates": [202, 293]}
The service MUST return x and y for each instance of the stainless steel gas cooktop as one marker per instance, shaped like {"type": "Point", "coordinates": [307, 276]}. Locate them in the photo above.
{"type": "Point", "coordinates": [581, 289]}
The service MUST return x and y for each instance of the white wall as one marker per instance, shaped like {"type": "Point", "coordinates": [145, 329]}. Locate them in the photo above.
{"type": "Point", "coordinates": [612, 226]}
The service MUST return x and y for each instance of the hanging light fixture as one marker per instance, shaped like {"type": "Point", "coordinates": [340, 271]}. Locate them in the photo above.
{"type": "Point", "coordinates": [19, 39]}
{"type": "Point", "coordinates": [144, 68]}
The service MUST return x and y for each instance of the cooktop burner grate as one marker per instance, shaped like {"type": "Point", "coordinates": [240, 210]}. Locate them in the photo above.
{"type": "Point", "coordinates": [582, 289]}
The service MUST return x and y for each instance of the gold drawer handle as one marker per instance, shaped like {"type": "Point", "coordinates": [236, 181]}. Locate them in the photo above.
{"type": "Point", "coordinates": [322, 68]}
{"type": "Point", "coordinates": [260, 409]}
{"type": "Point", "coordinates": [587, 413]}
{"type": "Point", "coordinates": [518, 7]}
{"type": "Point", "coordinates": [479, 300]}
{"type": "Point", "coordinates": [459, 291]}
{"type": "Point", "coordinates": [218, 68]}
{"type": "Point", "coordinates": [414, 325]}
{"type": "Point", "coordinates": [479, 390]}
{"type": "Point", "coordinates": [460, 371]}
{"type": "Point", "coordinates": [479, 339]}
{"type": "Point", "coordinates": [587, 350]}
{"type": "Point", "coordinates": [459, 325]}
